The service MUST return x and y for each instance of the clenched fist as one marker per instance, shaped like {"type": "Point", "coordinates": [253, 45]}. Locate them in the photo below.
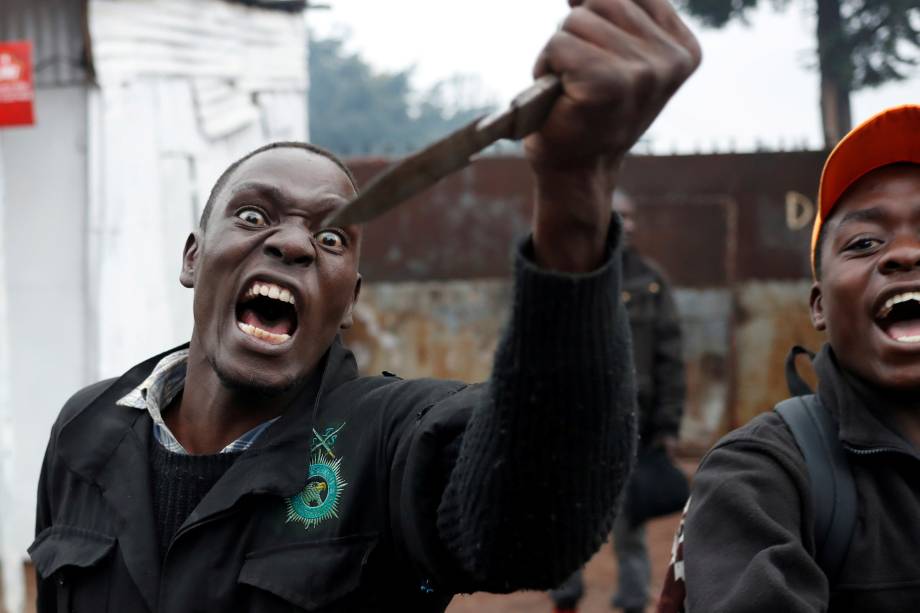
{"type": "Point", "coordinates": [620, 61]}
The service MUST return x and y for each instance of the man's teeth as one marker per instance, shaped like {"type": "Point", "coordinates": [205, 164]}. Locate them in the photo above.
{"type": "Point", "coordinates": [908, 339]}
{"type": "Point", "coordinates": [270, 290]}
{"type": "Point", "coordinates": [897, 299]}
{"type": "Point", "coordinates": [265, 335]}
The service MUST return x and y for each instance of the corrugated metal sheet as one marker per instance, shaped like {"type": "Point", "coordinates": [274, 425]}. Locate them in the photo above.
{"type": "Point", "coordinates": [55, 28]}
{"type": "Point", "coordinates": [256, 48]}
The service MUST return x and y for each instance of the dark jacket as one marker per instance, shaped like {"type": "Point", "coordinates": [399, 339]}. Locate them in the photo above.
{"type": "Point", "coordinates": [439, 487]}
{"type": "Point", "coordinates": [655, 327]}
{"type": "Point", "coordinates": [748, 533]}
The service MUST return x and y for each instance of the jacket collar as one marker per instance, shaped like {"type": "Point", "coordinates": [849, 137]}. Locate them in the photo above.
{"type": "Point", "coordinates": [278, 462]}
{"type": "Point", "coordinates": [864, 419]}
{"type": "Point", "coordinates": [107, 445]}
{"type": "Point", "coordinates": [88, 441]}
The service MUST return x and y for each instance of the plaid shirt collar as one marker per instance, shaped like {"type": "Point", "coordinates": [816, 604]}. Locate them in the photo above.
{"type": "Point", "coordinates": [160, 388]}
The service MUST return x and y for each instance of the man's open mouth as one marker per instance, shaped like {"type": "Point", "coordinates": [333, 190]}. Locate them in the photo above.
{"type": "Point", "coordinates": [266, 311]}
{"type": "Point", "coordinates": [899, 317]}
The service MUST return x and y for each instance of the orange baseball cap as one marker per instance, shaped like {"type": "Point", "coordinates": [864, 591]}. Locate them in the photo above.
{"type": "Point", "coordinates": [890, 137]}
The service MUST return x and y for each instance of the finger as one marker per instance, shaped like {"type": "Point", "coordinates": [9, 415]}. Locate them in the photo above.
{"type": "Point", "coordinates": [578, 61]}
{"type": "Point", "coordinates": [595, 29]}
{"type": "Point", "coordinates": [628, 16]}
{"type": "Point", "coordinates": [665, 15]}
{"type": "Point", "coordinates": [633, 16]}
{"type": "Point", "coordinates": [562, 52]}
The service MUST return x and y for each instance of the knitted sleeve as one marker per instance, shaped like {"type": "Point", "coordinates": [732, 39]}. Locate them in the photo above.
{"type": "Point", "coordinates": [543, 459]}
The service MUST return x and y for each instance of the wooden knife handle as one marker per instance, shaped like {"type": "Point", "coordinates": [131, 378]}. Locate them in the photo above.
{"type": "Point", "coordinates": [532, 106]}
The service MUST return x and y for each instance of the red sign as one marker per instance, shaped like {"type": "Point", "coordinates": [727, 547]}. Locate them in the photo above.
{"type": "Point", "coordinates": [17, 93]}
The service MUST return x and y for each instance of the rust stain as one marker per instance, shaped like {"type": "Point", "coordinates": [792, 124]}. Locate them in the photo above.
{"type": "Point", "coordinates": [732, 232]}
{"type": "Point", "coordinates": [774, 317]}
{"type": "Point", "coordinates": [463, 227]}
{"type": "Point", "coordinates": [435, 329]}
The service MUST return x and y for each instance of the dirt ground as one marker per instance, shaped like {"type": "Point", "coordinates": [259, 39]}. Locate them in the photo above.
{"type": "Point", "coordinates": [599, 576]}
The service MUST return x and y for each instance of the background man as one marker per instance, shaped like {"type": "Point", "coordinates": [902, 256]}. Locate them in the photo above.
{"type": "Point", "coordinates": [254, 470]}
{"type": "Point", "coordinates": [655, 328]}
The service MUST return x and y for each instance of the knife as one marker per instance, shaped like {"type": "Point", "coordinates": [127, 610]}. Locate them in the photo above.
{"type": "Point", "coordinates": [422, 169]}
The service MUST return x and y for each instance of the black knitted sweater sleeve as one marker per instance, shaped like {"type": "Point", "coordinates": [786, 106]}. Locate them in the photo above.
{"type": "Point", "coordinates": [543, 460]}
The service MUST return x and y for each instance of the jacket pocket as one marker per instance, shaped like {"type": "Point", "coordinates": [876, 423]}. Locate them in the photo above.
{"type": "Point", "coordinates": [312, 575]}
{"type": "Point", "coordinates": [70, 557]}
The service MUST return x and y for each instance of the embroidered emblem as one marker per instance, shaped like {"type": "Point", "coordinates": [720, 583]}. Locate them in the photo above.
{"type": "Point", "coordinates": [319, 499]}
{"type": "Point", "coordinates": [326, 440]}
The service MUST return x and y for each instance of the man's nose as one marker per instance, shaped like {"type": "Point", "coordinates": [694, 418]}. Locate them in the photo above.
{"type": "Point", "coordinates": [903, 255]}
{"type": "Point", "coordinates": [291, 244]}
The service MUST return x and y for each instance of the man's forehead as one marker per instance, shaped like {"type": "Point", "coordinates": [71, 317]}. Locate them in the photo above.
{"type": "Point", "coordinates": [291, 165]}
{"type": "Point", "coordinates": [871, 198]}
{"type": "Point", "coordinates": [622, 202]}
{"type": "Point", "coordinates": [288, 174]}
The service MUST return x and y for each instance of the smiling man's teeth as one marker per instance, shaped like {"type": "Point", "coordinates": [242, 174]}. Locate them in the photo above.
{"type": "Point", "coordinates": [897, 299]}
{"type": "Point", "coordinates": [908, 339]}
{"type": "Point", "coordinates": [270, 290]}
{"type": "Point", "coordinates": [265, 335]}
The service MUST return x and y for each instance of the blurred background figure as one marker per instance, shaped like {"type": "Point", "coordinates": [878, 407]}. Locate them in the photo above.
{"type": "Point", "coordinates": [655, 326]}
{"type": "Point", "coordinates": [659, 365]}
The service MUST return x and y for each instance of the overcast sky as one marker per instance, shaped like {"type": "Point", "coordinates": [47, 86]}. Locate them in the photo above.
{"type": "Point", "coordinates": [754, 85]}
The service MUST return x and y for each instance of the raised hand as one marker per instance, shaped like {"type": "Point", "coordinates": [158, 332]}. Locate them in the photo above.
{"type": "Point", "coordinates": [620, 61]}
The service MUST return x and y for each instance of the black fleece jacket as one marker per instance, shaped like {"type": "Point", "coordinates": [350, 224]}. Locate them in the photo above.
{"type": "Point", "coordinates": [749, 529]}
{"type": "Point", "coordinates": [379, 494]}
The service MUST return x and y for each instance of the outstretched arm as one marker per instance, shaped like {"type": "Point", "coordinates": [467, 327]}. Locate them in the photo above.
{"type": "Point", "coordinates": [620, 61]}
{"type": "Point", "coordinates": [543, 460]}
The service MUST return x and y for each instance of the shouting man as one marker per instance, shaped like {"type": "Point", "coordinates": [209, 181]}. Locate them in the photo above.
{"type": "Point", "coordinates": [778, 521]}
{"type": "Point", "coordinates": [254, 470]}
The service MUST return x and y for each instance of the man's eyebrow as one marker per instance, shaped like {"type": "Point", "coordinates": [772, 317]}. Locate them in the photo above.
{"type": "Point", "coordinates": [263, 189]}
{"type": "Point", "coordinates": [279, 197]}
{"type": "Point", "coordinates": [870, 214]}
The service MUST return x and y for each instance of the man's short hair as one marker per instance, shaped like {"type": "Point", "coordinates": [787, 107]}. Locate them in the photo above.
{"type": "Point", "coordinates": [222, 179]}
{"type": "Point", "coordinates": [819, 244]}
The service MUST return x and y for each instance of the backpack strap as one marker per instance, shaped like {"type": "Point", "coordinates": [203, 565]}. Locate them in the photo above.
{"type": "Point", "coordinates": [833, 490]}
{"type": "Point", "coordinates": [794, 381]}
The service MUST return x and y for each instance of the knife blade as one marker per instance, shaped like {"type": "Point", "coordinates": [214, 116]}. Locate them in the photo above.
{"type": "Point", "coordinates": [424, 168]}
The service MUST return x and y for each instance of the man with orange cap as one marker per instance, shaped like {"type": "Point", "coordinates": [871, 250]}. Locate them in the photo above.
{"type": "Point", "coordinates": [749, 541]}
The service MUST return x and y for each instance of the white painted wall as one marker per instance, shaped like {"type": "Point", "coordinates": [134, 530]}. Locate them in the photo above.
{"type": "Point", "coordinates": [185, 88]}
{"type": "Point", "coordinates": [6, 426]}
{"type": "Point", "coordinates": [152, 171]}
{"type": "Point", "coordinates": [44, 201]}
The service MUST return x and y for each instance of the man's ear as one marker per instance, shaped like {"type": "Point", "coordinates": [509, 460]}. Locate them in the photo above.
{"type": "Point", "coordinates": [189, 260]}
{"type": "Point", "coordinates": [817, 307]}
{"type": "Point", "coordinates": [349, 319]}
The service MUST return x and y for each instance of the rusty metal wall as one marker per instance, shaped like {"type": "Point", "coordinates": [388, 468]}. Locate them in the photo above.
{"type": "Point", "coordinates": [693, 211]}
{"type": "Point", "coordinates": [731, 231]}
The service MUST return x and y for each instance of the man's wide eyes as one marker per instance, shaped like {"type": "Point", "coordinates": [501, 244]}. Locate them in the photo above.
{"type": "Point", "coordinates": [252, 217]}
{"type": "Point", "coordinates": [330, 239]}
{"type": "Point", "coordinates": [861, 244]}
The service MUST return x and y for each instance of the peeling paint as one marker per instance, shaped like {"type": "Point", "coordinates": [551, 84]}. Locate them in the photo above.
{"type": "Point", "coordinates": [773, 316]}
{"type": "Point", "coordinates": [434, 329]}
